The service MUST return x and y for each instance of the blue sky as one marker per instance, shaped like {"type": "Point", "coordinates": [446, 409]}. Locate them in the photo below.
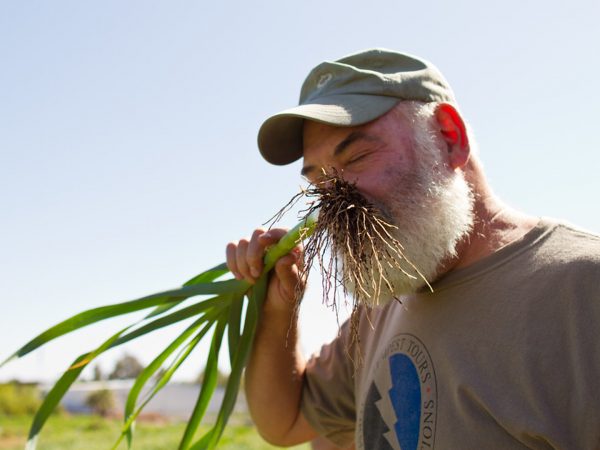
{"type": "Point", "coordinates": [128, 135]}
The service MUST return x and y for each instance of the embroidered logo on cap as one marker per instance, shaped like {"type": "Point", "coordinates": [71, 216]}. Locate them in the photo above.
{"type": "Point", "coordinates": [324, 79]}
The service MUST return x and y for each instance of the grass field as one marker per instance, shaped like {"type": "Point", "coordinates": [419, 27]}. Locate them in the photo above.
{"type": "Point", "coordinates": [64, 432]}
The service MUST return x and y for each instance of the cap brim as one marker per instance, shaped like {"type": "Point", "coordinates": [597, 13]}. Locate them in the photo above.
{"type": "Point", "coordinates": [280, 136]}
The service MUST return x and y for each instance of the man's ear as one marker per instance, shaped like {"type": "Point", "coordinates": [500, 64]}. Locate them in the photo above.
{"type": "Point", "coordinates": [454, 133]}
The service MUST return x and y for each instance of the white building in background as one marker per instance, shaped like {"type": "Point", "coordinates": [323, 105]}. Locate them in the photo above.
{"type": "Point", "coordinates": [175, 400]}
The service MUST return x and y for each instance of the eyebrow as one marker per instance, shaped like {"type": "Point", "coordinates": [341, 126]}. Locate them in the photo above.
{"type": "Point", "coordinates": [343, 145]}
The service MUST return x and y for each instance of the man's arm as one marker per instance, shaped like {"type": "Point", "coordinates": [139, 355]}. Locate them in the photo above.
{"type": "Point", "coordinates": [276, 366]}
{"type": "Point", "coordinates": [274, 381]}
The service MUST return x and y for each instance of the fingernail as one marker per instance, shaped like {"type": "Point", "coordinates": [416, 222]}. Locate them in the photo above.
{"type": "Point", "coordinates": [255, 272]}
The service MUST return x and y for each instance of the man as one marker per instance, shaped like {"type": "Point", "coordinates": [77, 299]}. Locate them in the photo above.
{"type": "Point", "coordinates": [500, 353]}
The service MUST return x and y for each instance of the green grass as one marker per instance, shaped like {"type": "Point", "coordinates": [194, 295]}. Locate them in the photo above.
{"type": "Point", "coordinates": [64, 432]}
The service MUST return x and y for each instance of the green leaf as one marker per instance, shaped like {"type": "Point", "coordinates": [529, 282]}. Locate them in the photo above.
{"type": "Point", "coordinates": [208, 275]}
{"type": "Point", "coordinates": [146, 374]}
{"type": "Point", "coordinates": [209, 383]}
{"type": "Point", "coordinates": [240, 358]}
{"type": "Point", "coordinates": [157, 363]}
{"type": "Point", "coordinates": [234, 324]}
{"type": "Point", "coordinates": [205, 277]}
{"type": "Point", "coordinates": [177, 316]}
{"type": "Point", "coordinates": [61, 387]}
{"type": "Point", "coordinates": [169, 372]}
{"type": "Point", "coordinates": [226, 308]}
{"type": "Point", "coordinates": [104, 312]}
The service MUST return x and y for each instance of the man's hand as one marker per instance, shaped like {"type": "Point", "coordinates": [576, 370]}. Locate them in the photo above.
{"type": "Point", "coordinates": [245, 260]}
{"type": "Point", "coordinates": [276, 367]}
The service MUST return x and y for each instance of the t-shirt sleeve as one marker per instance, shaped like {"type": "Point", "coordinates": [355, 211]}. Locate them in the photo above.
{"type": "Point", "coordinates": [328, 395]}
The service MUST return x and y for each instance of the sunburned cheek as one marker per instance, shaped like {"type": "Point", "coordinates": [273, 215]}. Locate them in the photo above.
{"type": "Point", "coordinates": [391, 179]}
{"type": "Point", "coordinates": [376, 180]}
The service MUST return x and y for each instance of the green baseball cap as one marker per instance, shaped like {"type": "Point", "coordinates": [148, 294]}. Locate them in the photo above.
{"type": "Point", "coordinates": [351, 91]}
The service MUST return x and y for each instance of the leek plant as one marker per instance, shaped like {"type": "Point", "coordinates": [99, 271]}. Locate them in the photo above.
{"type": "Point", "coordinates": [355, 246]}
{"type": "Point", "coordinates": [231, 312]}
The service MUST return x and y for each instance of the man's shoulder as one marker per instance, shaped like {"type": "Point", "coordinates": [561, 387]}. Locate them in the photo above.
{"type": "Point", "coordinates": [572, 239]}
{"type": "Point", "coordinates": [572, 229]}
{"type": "Point", "coordinates": [570, 246]}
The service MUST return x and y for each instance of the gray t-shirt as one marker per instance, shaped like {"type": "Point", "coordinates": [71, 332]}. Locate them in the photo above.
{"type": "Point", "coordinates": [505, 354]}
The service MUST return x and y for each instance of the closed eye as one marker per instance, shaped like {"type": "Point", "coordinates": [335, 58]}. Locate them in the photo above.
{"type": "Point", "coordinates": [356, 159]}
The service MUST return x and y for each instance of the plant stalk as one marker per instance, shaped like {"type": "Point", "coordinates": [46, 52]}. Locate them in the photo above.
{"type": "Point", "coordinates": [292, 238]}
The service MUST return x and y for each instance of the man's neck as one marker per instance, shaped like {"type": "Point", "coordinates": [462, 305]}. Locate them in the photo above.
{"type": "Point", "coordinates": [496, 225]}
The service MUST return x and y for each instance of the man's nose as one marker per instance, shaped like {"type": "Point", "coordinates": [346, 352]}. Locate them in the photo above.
{"type": "Point", "coordinates": [326, 176]}
{"type": "Point", "coordinates": [331, 176]}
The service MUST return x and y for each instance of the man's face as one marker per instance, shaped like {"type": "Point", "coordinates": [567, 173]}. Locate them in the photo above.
{"type": "Point", "coordinates": [371, 155]}
{"type": "Point", "coordinates": [401, 166]}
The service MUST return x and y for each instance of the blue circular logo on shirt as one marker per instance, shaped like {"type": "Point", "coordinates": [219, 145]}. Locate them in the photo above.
{"type": "Point", "coordinates": [399, 411]}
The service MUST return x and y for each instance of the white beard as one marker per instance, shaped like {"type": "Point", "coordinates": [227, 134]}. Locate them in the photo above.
{"type": "Point", "coordinates": [433, 211]}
